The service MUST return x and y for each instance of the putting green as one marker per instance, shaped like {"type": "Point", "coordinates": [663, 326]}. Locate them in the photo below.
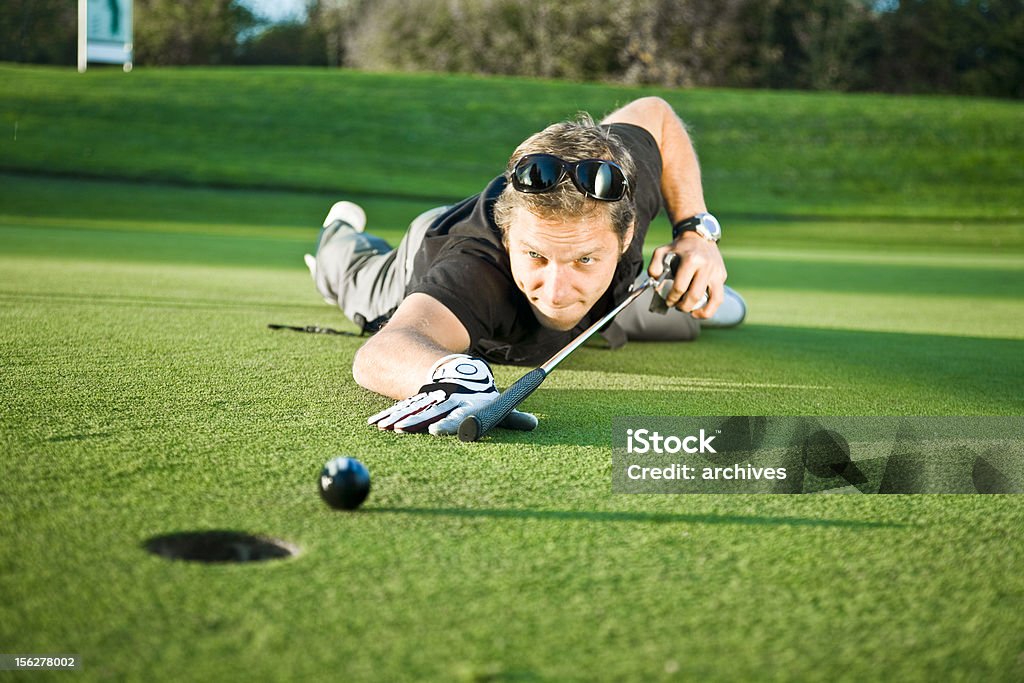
{"type": "Point", "coordinates": [144, 396]}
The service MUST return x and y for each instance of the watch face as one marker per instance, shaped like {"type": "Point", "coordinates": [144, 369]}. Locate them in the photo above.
{"type": "Point", "coordinates": [711, 226]}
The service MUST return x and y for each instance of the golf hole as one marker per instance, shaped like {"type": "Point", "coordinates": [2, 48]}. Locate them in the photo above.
{"type": "Point", "coordinates": [219, 546]}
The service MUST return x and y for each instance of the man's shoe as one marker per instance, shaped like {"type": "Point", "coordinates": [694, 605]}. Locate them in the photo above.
{"type": "Point", "coordinates": [348, 213]}
{"type": "Point", "coordinates": [342, 213]}
{"type": "Point", "coordinates": [731, 313]}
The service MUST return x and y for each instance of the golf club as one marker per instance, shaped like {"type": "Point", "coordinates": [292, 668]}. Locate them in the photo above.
{"type": "Point", "coordinates": [312, 329]}
{"type": "Point", "coordinates": [475, 426]}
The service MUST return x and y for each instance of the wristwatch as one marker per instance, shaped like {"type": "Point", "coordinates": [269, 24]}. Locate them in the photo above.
{"type": "Point", "coordinates": [704, 224]}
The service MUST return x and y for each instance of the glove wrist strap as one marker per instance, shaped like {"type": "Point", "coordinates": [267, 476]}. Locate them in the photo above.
{"type": "Point", "coordinates": [442, 361]}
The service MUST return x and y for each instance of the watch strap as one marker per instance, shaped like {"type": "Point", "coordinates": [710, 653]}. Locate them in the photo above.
{"type": "Point", "coordinates": [686, 225]}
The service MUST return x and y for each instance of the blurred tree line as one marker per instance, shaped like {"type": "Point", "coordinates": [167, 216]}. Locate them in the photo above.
{"type": "Point", "coordinates": [973, 47]}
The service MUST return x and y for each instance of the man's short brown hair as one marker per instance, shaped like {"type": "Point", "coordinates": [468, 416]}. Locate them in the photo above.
{"type": "Point", "coordinates": [571, 141]}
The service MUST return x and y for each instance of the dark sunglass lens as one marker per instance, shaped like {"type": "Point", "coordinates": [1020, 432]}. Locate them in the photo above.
{"type": "Point", "coordinates": [601, 179]}
{"type": "Point", "coordinates": [538, 173]}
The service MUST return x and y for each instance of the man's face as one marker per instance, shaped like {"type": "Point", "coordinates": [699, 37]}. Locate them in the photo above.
{"type": "Point", "coordinates": [563, 267]}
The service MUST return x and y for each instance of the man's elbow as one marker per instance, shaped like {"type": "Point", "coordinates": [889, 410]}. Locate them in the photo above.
{"type": "Point", "coordinates": [363, 367]}
{"type": "Point", "coordinates": [651, 113]}
{"type": "Point", "coordinates": [654, 104]}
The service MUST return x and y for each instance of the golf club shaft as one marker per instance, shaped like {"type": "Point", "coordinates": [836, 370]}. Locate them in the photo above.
{"type": "Point", "coordinates": [312, 329]}
{"type": "Point", "coordinates": [475, 426]}
{"type": "Point", "coordinates": [589, 332]}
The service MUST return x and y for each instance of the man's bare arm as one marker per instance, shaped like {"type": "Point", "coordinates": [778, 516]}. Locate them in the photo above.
{"type": "Point", "coordinates": [680, 176]}
{"type": "Point", "coordinates": [702, 266]}
{"type": "Point", "coordinates": [396, 361]}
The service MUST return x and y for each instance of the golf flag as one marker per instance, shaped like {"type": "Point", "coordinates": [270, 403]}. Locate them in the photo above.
{"type": "Point", "coordinates": [105, 32]}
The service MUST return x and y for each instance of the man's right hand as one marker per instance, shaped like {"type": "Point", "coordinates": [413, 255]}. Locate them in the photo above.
{"type": "Point", "coordinates": [459, 386]}
{"type": "Point", "coordinates": [701, 272]}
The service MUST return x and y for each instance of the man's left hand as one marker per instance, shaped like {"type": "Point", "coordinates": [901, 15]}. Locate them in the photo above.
{"type": "Point", "coordinates": [701, 271]}
{"type": "Point", "coordinates": [459, 386]}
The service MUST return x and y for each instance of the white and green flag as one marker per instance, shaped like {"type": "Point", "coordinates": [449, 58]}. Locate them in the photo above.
{"type": "Point", "coordinates": [105, 32]}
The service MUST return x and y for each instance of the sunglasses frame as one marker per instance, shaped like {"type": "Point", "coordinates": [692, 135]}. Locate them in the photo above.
{"type": "Point", "coordinates": [570, 168]}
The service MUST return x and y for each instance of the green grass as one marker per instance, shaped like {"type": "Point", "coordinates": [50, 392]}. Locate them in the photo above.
{"type": "Point", "coordinates": [144, 395]}
{"type": "Point", "coordinates": [436, 136]}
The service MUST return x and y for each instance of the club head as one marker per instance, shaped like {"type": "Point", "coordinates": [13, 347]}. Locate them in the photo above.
{"type": "Point", "coordinates": [664, 284]}
{"type": "Point", "coordinates": [669, 264]}
{"type": "Point", "coordinates": [658, 304]}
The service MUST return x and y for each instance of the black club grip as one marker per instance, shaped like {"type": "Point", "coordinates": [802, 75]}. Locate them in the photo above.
{"type": "Point", "coordinates": [475, 426]}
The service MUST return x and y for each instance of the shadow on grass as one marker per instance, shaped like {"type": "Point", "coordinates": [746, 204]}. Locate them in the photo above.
{"type": "Point", "coordinates": [636, 517]}
{"type": "Point", "coordinates": [879, 278]}
{"type": "Point", "coordinates": [813, 371]}
{"type": "Point", "coordinates": [134, 302]}
{"type": "Point", "coordinates": [975, 374]}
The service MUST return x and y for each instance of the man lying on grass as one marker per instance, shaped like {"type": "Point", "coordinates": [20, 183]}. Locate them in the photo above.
{"type": "Point", "coordinates": [514, 273]}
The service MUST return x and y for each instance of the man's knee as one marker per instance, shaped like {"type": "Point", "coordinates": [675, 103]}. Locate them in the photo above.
{"type": "Point", "coordinates": [672, 326]}
{"type": "Point", "coordinates": [641, 324]}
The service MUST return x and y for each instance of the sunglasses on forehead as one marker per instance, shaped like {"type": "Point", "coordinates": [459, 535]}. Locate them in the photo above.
{"type": "Point", "coordinates": [596, 178]}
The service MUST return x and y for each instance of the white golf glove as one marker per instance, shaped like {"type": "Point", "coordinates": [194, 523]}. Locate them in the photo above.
{"type": "Point", "coordinates": [459, 386]}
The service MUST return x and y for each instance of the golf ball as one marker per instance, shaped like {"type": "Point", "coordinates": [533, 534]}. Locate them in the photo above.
{"type": "Point", "coordinates": [344, 483]}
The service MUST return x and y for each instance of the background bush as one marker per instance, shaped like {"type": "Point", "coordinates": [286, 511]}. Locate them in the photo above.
{"type": "Point", "coordinates": [973, 47]}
